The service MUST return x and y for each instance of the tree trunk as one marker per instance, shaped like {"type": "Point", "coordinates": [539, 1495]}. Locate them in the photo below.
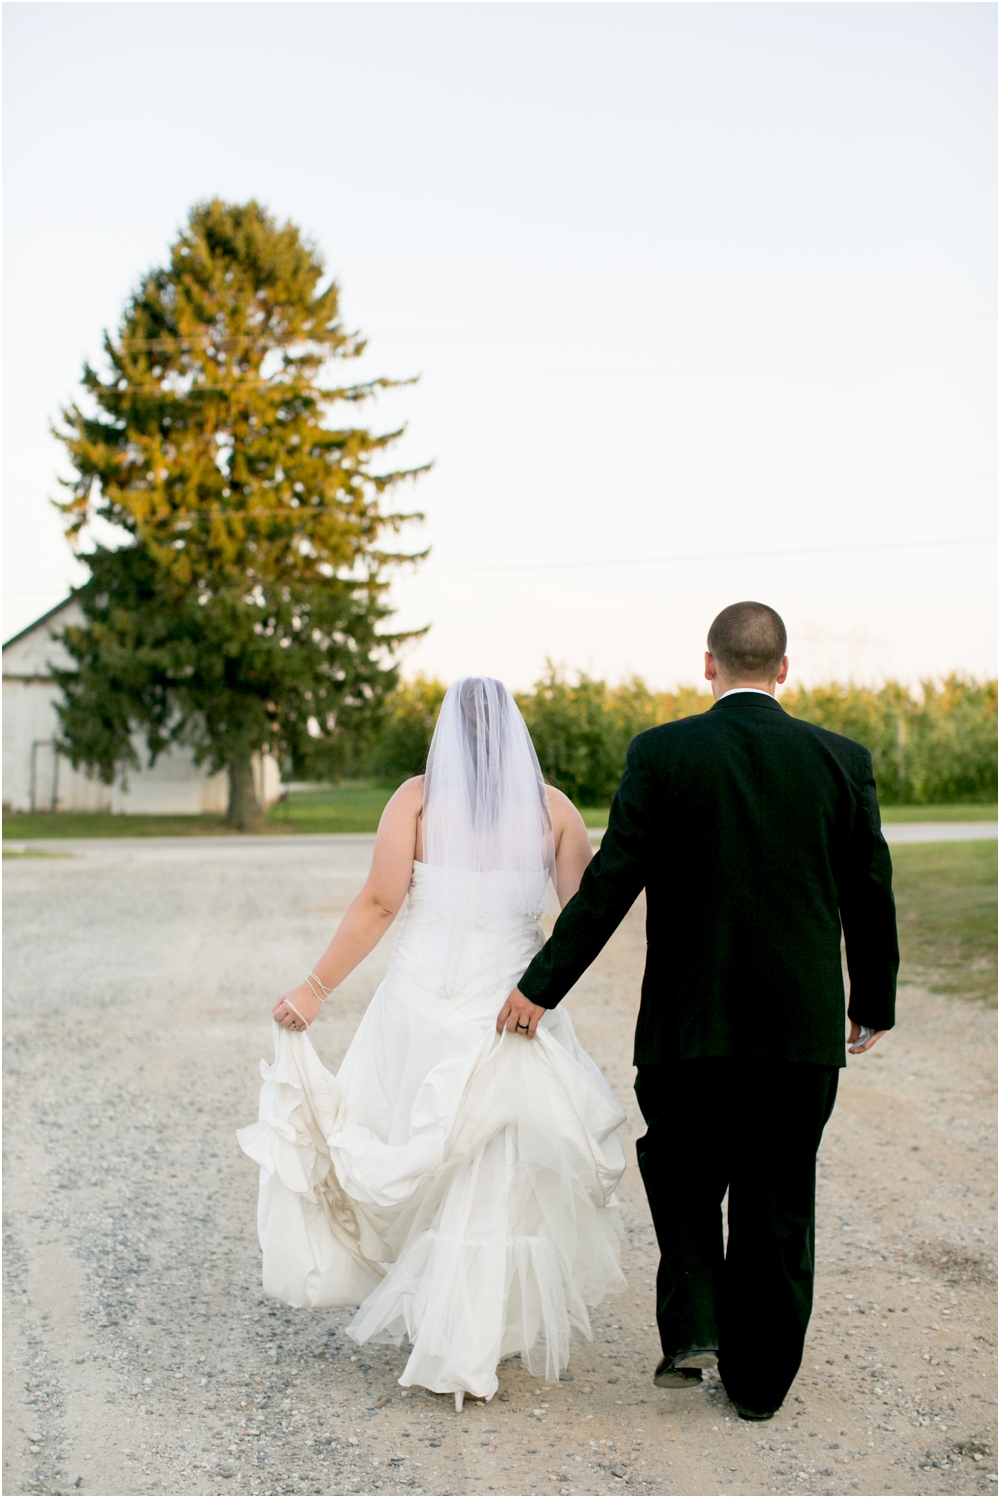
{"type": "Point", "coordinates": [245, 811]}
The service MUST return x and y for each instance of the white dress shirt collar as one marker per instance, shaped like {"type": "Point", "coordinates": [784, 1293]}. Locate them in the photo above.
{"type": "Point", "coordinates": [733, 690]}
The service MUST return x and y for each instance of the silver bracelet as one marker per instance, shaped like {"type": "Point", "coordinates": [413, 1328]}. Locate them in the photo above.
{"type": "Point", "coordinates": [317, 983]}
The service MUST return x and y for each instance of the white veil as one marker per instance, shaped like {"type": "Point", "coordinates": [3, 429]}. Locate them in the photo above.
{"type": "Point", "coordinates": [486, 810]}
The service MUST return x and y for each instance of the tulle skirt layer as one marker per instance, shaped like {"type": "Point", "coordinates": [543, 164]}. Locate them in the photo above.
{"type": "Point", "coordinates": [465, 1204]}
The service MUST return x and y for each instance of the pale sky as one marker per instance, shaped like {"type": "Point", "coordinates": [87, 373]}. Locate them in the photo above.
{"type": "Point", "coordinates": [704, 282]}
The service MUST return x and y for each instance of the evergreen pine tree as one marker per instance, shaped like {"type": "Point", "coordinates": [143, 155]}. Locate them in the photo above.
{"type": "Point", "coordinates": [243, 610]}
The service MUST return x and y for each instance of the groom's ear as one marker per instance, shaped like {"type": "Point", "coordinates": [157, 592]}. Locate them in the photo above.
{"type": "Point", "coordinates": [711, 671]}
{"type": "Point", "coordinates": [783, 672]}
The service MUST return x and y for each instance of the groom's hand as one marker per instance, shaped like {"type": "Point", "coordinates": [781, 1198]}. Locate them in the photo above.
{"type": "Point", "coordinates": [855, 1036]}
{"type": "Point", "coordinates": [519, 1013]}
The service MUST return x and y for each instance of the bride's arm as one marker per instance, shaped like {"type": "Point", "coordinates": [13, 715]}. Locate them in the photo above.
{"type": "Point", "coordinates": [372, 912]}
{"type": "Point", "coordinates": [572, 840]}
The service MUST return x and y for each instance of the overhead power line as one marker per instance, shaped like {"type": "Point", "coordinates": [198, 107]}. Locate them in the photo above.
{"type": "Point", "coordinates": [704, 556]}
{"type": "Point", "coordinates": [299, 385]}
{"type": "Point", "coordinates": [266, 340]}
{"type": "Point", "coordinates": [712, 556]}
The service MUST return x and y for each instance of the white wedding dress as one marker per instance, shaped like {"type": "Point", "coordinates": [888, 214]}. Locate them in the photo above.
{"type": "Point", "coordinates": [455, 1184]}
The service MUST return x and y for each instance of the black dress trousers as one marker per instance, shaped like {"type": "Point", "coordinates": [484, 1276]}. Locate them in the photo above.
{"type": "Point", "coordinates": [753, 1128]}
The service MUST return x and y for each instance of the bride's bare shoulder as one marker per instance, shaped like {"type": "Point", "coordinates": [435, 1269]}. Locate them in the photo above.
{"type": "Point", "coordinates": [401, 815]}
{"type": "Point", "coordinates": [562, 809]}
{"type": "Point", "coordinates": [410, 794]}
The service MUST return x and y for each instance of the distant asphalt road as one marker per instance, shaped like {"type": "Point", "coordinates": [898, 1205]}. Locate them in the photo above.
{"type": "Point", "coordinates": [938, 832]}
{"type": "Point", "coordinates": [918, 832]}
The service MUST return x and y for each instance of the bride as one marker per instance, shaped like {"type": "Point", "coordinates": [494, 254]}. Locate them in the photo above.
{"type": "Point", "coordinates": [454, 1180]}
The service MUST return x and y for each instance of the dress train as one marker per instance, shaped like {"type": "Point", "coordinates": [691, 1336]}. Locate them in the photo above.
{"type": "Point", "coordinates": [488, 1232]}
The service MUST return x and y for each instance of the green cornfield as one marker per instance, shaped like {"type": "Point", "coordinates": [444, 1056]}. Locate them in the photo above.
{"type": "Point", "coordinates": [935, 747]}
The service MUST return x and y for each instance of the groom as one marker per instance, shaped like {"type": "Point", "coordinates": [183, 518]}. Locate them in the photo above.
{"type": "Point", "coordinates": [756, 837]}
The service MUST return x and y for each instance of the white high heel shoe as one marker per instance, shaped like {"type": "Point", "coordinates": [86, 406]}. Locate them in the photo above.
{"type": "Point", "coordinates": [459, 1400]}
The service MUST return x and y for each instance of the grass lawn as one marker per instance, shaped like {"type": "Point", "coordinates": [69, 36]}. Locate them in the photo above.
{"type": "Point", "coordinates": [946, 901]}
{"type": "Point", "coordinates": [44, 824]}
{"type": "Point", "coordinates": [18, 852]}
{"type": "Point", "coordinates": [351, 806]}
{"type": "Point", "coordinates": [964, 813]}
{"type": "Point", "coordinates": [596, 817]}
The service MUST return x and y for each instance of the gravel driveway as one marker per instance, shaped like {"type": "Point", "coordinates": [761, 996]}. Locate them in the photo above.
{"type": "Point", "coordinates": [141, 1358]}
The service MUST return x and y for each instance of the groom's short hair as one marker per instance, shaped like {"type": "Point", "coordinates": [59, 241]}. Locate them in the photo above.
{"type": "Point", "coordinates": [748, 641]}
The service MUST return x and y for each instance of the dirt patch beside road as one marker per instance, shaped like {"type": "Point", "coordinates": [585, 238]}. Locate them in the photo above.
{"type": "Point", "coordinates": [142, 1358]}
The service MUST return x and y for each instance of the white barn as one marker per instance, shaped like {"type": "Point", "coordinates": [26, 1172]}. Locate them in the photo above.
{"type": "Point", "coordinates": [37, 778]}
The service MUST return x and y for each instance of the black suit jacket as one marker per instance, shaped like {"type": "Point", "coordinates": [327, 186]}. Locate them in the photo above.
{"type": "Point", "coordinates": [756, 837]}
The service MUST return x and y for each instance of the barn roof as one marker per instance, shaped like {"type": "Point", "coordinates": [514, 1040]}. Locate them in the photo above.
{"type": "Point", "coordinates": [43, 619]}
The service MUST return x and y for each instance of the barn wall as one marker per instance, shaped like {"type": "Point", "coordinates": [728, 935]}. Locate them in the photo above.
{"type": "Point", "coordinates": [175, 784]}
{"type": "Point", "coordinates": [34, 774]}
{"type": "Point", "coordinates": [30, 724]}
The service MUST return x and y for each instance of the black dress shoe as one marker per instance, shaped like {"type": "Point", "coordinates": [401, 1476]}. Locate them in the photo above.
{"type": "Point", "coordinates": [698, 1357]}
{"type": "Point", "coordinates": [746, 1414]}
{"type": "Point", "coordinates": [669, 1377]}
